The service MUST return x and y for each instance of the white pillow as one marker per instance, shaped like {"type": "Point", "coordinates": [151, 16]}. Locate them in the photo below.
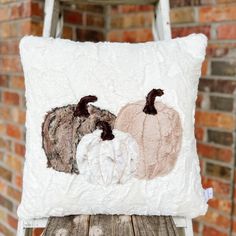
{"type": "Point", "coordinates": [59, 72]}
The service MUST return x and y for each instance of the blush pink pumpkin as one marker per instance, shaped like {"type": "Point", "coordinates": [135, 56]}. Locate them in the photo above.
{"type": "Point", "coordinates": [158, 132]}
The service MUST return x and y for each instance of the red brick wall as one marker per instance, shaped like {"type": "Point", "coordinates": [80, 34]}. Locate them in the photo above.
{"type": "Point", "coordinates": [216, 104]}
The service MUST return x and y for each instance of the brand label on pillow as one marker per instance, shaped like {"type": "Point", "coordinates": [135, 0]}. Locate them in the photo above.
{"type": "Point", "coordinates": [208, 192]}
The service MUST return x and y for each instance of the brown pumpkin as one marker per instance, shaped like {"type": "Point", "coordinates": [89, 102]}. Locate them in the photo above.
{"type": "Point", "coordinates": [158, 132]}
{"type": "Point", "coordinates": [64, 127]}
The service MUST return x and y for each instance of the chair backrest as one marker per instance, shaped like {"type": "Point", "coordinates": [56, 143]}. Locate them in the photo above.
{"type": "Point", "coordinates": [53, 21]}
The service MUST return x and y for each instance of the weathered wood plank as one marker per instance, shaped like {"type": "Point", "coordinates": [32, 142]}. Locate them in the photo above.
{"type": "Point", "coordinates": [81, 225]}
{"type": "Point", "coordinates": [110, 225]}
{"type": "Point", "coordinates": [102, 225]}
{"type": "Point", "coordinates": [68, 225]}
{"type": "Point", "coordinates": [153, 225]}
{"type": "Point", "coordinates": [123, 226]}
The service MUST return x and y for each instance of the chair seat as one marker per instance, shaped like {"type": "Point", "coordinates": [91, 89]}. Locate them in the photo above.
{"type": "Point", "coordinates": [112, 225]}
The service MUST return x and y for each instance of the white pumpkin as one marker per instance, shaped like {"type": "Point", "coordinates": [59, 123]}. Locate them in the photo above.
{"type": "Point", "coordinates": [107, 157]}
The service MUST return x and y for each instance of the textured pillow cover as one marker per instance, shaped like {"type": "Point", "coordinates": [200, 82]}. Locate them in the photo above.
{"type": "Point", "coordinates": [59, 72]}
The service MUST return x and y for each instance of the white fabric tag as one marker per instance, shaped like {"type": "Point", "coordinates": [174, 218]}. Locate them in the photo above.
{"type": "Point", "coordinates": [208, 192]}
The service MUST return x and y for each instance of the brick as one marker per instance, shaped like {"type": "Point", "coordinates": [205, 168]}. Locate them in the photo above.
{"type": "Point", "coordinates": [2, 128]}
{"type": "Point", "coordinates": [220, 137]}
{"type": "Point", "coordinates": [67, 32]}
{"type": "Point", "coordinates": [4, 14]}
{"type": "Point", "coordinates": [131, 21]}
{"type": "Point", "coordinates": [138, 35]}
{"type": "Point", "coordinates": [207, 2]}
{"type": "Point", "coordinates": [3, 214]}
{"type": "Point", "coordinates": [225, 1]}
{"type": "Point", "coordinates": [199, 100]}
{"type": "Point", "coordinates": [90, 8]}
{"type": "Point", "coordinates": [132, 8]}
{"type": "Point", "coordinates": [182, 15]}
{"type": "Point", "coordinates": [221, 103]}
{"type": "Point", "coordinates": [20, 10]}
{"type": "Point", "coordinates": [4, 81]}
{"type": "Point", "coordinates": [3, 143]}
{"type": "Point", "coordinates": [220, 48]}
{"type": "Point", "coordinates": [17, 180]}
{"type": "Point", "coordinates": [203, 101]}
{"type": "Point", "coordinates": [114, 36]}
{"type": "Point", "coordinates": [226, 31]}
{"type": "Point", "coordinates": [14, 131]}
{"type": "Point", "coordinates": [9, 46]}
{"type": "Point", "coordinates": [223, 68]}
{"type": "Point", "coordinates": [36, 28]}
{"type": "Point", "coordinates": [209, 231]}
{"type": "Point", "coordinates": [204, 70]}
{"type": "Point", "coordinates": [4, 202]}
{"type": "Point", "coordinates": [73, 17]}
{"type": "Point", "coordinates": [184, 31]}
{"type": "Point", "coordinates": [10, 64]}
{"type": "Point", "coordinates": [14, 163]}
{"type": "Point", "coordinates": [234, 226]}
{"type": "Point", "coordinates": [218, 171]}
{"type": "Point", "coordinates": [5, 174]}
{"type": "Point", "coordinates": [5, 112]}
{"type": "Point", "coordinates": [17, 82]}
{"type": "Point", "coordinates": [11, 98]}
{"type": "Point", "coordinates": [217, 13]}
{"type": "Point", "coordinates": [195, 227]}
{"type": "Point", "coordinates": [36, 9]}
{"type": "Point", "coordinates": [219, 187]}
{"type": "Point", "coordinates": [5, 231]}
{"type": "Point", "coordinates": [14, 193]}
{"type": "Point", "coordinates": [223, 205]}
{"type": "Point", "coordinates": [215, 119]}
{"type": "Point", "coordinates": [214, 217]}
{"type": "Point", "coordinates": [38, 232]}
{"type": "Point", "coordinates": [95, 20]}
{"type": "Point", "coordinates": [12, 221]}
{"type": "Point", "coordinates": [18, 115]}
{"type": "Point", "coordinates": [217, 86]}
{"type": "Point", "coordinates": [199, 133]}
{"type": "Point", "coordinates": [89, 35]}
{"type": "Point", "coordinates": [8, 30]}
{"type": "Point", "coordinates": [31, 27]}
{"type": "Point", "coordinates": [20, 149]}
{"type": "Point", "coordinates": [215, 153]}
{"type": "Point", "coordinates": [183, 3]}
{"type": "Point", "coordinates": [3, 188]}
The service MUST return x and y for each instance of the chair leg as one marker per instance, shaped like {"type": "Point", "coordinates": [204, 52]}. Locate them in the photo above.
{"type": "Point", "coordinates": [189, 229]}
{"type": "Point", "coordinates": [51, 19]}
{"type": "Point", "coordinates": [21, 231]}
{"type": "Point", "coordinates": [161, 24]}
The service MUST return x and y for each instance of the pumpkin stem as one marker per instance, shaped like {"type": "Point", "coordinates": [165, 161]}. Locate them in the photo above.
{"type": "Point", "coordinates": [82, 107]}
{"type": "Point", "coordinates": [150, 101]}
{"type": "Point", "coordinates": [106, 130]}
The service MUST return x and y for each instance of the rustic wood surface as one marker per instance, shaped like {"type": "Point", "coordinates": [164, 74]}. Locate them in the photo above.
{"type": "Point", "coordinates": [110, 225]}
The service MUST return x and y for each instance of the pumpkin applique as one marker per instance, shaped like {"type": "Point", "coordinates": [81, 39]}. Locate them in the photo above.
{"type": "Point", "coordinates": [64, 127]}
{"type": "Point", "coordinates": [107, 156]}
{"type": "Point", "coordinates": [158, 132]}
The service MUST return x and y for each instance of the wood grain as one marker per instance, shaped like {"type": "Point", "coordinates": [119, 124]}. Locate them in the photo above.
{"type": "Point", "coordinates": [110, 225]}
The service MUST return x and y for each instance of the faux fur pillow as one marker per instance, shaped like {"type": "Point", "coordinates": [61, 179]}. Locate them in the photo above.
{"type": "Point", "coordinates": [147, 164]}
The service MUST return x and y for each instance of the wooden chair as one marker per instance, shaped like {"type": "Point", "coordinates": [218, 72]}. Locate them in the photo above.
{"type": "Point", "coordinates": [53, 24]}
